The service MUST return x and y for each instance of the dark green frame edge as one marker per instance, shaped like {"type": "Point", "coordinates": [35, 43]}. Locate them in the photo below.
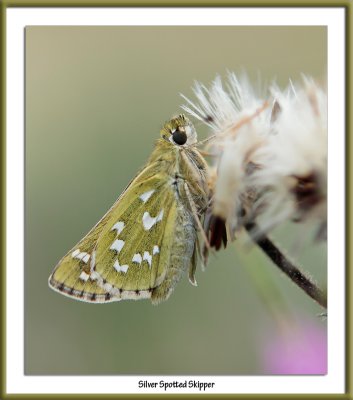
{"type": "Point", "coordinates": [182, 3]}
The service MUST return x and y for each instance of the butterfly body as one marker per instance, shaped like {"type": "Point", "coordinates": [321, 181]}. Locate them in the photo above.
{"type": "Point", "coordinates": [146, 241]}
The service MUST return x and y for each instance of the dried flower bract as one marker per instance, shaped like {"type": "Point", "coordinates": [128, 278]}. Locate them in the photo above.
{"type": "Point", "coordinates": [270, 152]}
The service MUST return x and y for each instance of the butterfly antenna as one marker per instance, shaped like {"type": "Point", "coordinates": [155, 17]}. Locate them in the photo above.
{"type": "Point", "coordinates": [202, 142]}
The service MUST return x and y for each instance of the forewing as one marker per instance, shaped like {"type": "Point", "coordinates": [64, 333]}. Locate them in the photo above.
{"type": "Point", "coordinates": [131, 258]}
{"type": "Point", "coordinates": [105, 265]}
{"type": "Point", "coordinates": [71, 276]}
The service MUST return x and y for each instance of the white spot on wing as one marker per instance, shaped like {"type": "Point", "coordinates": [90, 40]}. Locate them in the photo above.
{"type": "Point", "coordinates": [95, 276]}
{"type": "Point", "coordinates": [147, 256]}
{"type": "Point", "coordinates": [155, 250]}
{"type": "Point", "coordinates": [93, 261]}
{"type": "Point", "coordinates": [145, 196]}
{"type": "Point", "coordinates": [117, 245]}
{"type": "Point", "coordinates": [137, 258]}
{"type": "Point", "coordinates": [81, 256]}
{"type": "Point", "coordinates": [149, 221]}
{"type": "Point", "coordinates": [120, 268]}
{"type": "Point", "coordinates": [86, 258]}
{"type": "Point", "coordinates": [84, 277]}
{"type": "Point", "coordinates": [119, 226]}
{"type": "Point", "coordinates": [74, 253]}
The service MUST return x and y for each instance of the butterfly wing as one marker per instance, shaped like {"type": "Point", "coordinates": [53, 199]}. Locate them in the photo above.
{"type": "Point", "coordinates": [123, 257]}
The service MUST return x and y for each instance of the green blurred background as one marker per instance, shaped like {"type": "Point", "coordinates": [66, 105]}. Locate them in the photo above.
{"type": "Point", "coordinates": [96, 98]}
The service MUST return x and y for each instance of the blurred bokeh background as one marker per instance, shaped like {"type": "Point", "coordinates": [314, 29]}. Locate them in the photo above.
{"type": "Point", "coordinates": [96, 98]}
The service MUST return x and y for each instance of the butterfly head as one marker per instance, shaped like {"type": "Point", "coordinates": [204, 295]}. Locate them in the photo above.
{"type": "Point", "coordinates": [179, 131]}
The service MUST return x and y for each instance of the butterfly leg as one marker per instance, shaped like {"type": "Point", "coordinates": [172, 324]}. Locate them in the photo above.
{"type": "Point", "coordinates": [193, 265]}
{"type": "Point", "coordinates": [195, 215]}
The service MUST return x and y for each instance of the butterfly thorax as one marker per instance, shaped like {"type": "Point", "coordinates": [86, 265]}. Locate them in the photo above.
{"type": "Point", "coordinates": [182, 165]}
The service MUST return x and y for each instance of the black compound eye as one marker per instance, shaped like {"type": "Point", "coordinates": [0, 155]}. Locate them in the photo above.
{"type": "Point", "coordinates": [179, 137]}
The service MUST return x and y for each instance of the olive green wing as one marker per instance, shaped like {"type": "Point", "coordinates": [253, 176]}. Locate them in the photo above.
{"type": "Point", "coordinates": [126, 254]}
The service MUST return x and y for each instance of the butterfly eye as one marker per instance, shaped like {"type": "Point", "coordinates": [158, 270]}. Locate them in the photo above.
{"type": "Point", "coordinates": [179, 137]}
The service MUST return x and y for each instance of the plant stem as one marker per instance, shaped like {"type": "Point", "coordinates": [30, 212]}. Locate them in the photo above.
{"type": "Point", "coordinates": [282, 262]}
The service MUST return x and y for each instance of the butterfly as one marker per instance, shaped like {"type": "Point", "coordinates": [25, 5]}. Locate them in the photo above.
{"type": "Point", "coordinates": [148, 239]}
